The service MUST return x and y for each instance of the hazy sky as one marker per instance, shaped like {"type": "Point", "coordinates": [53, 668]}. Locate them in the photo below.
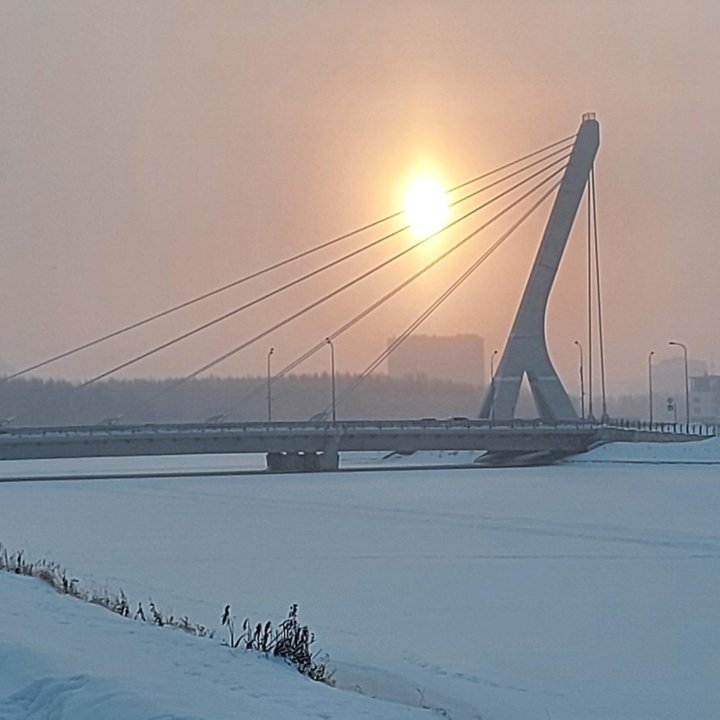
{"type": "Point", "coordinates": [154, 150]}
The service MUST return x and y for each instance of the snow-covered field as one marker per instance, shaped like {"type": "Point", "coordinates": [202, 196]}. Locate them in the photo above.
{"type": "Point", "coordinates": [583, 590]}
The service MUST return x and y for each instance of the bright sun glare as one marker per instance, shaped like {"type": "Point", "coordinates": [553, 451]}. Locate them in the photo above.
{"type": "Point", "coordinates": [426, 206]}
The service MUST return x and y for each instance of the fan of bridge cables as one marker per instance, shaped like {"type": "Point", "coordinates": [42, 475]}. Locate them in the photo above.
{"type": "Point", "coordinates": [522, 185]}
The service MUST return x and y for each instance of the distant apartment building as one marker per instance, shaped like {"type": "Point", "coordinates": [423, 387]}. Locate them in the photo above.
{"type": "Point", "coordinates": [705, 399]}
{"type": "Point", "coordinates": [459, 358]}
{"type": "Point", "coordinates": [669, 375]}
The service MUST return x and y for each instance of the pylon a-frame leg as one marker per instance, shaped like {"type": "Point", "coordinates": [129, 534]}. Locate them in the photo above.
{"type": "Point", "coordinates": [526, 349]}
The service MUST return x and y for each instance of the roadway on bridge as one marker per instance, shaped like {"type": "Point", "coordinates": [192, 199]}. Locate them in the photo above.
{"type": "Point", "coordinates": [324, 440]}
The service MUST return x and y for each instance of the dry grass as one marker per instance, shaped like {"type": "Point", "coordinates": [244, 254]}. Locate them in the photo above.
{"type": "Point", "coordinates": [290, 640]}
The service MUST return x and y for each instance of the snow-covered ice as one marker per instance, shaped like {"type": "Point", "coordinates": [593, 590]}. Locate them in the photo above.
{"type": "Point", "coordinates": [61, 659]}
{"type": "Point", "coordinates": [582, 590]}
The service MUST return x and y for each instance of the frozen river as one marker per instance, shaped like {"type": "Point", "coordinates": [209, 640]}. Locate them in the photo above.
{"type": "Point", "coordinates": [583, 590]}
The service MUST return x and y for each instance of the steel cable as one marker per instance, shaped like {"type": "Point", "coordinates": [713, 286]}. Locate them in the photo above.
{"type": "Point", "coordinates": [306, 276]}
{"type": "Point", "coordinates": [277, 265]}
{"type": "Point", "coordinates": [337, 291]}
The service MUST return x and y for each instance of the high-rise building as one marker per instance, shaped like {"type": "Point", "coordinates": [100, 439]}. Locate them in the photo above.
{"type": "Point", "coordinates": [669, 375]}
{"type": "Point", "coordinates": [460, 358]}
{"type": "Point", "coordinates": [705, 399]}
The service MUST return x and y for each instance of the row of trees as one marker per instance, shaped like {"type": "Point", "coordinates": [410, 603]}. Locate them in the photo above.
{"type": "Point", "coordinates": [299, 397]}
{"type": "Point", "coordinates": [58, 402]}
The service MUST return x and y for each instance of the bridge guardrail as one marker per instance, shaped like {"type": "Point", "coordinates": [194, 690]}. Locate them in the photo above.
{"type": "Point", "coordinates": [429, 424]}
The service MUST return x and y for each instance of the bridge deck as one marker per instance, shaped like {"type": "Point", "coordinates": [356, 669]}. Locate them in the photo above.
{"type": "Point", "coordinates": [404, 436]}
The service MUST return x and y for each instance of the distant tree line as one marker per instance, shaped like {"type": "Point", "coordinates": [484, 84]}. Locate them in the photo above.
{"type": "Point", "coordinates": [36, 401]}
{"type": "Point", "coordinates": [59, 402]}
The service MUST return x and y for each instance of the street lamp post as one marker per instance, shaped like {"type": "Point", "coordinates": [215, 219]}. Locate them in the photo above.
{"type": "Point", "coordinates": [492, 386]}
{"type": "Point", "coordinates": [582, 382]}
{"type": "Point", "coordinates": [687, 380]}
{"type": "Point", "coordinates": [650, 387]}
{"type": "Point", "coordinates": [269, 385]}
{"type": "Point", "coordinates": [332, 376]}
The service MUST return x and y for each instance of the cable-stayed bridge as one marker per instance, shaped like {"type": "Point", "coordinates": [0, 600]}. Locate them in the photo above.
{"type": "Point", "coordinates": [513, 192]}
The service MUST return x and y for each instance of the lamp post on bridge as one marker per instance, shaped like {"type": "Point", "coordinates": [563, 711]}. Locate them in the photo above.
{"type": "Point", "coordinates": [332, 377]}
{"type": "Point", "coordinates": [650, 387]}
{"type": "Point", "coordinates": [687, 381]}
{"type": "Point", "coordinates": [582, 381]}
{"type": "Point", "coordinates": [492, 386]}
{"type": "Point", "coordinates": [269, 385]}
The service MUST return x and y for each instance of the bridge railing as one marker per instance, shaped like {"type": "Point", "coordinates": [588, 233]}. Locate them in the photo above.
{"type": "Point", "coordinates": [430, 424]}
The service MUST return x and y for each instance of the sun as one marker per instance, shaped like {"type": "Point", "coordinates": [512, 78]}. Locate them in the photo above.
{"type": "Point", "coordinates": [426, 206]}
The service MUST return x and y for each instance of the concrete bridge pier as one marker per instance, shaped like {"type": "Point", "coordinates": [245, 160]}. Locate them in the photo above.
{"type": "Point", "coordinates": [330, 459]}
{"type": "Point", "coordinates": [292, 462]}
{"type": "Point", "coordinates": [327, 459]}
{"type": "Point", "coordinates": [302, 461]}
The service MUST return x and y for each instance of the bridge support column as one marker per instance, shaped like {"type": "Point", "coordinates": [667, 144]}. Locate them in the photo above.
{"type": "Point", "coordinates": [329, 460]}
{"type": "Point", "coordinates": [302, 461]}
{"type": "Point", "coordinates": [330, 456]}
{"type": "Point", "coordinates": [526, 350]}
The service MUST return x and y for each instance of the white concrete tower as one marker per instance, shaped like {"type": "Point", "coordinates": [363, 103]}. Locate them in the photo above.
{"type": "Point", "coordinates": [526, 349]}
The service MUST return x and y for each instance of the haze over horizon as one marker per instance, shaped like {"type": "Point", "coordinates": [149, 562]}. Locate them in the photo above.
{"type": "Point", "coordinates": [153, 151]}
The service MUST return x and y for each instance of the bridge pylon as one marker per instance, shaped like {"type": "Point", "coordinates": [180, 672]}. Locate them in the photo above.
{"type": "Point", "coordinates": [526, 350]}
